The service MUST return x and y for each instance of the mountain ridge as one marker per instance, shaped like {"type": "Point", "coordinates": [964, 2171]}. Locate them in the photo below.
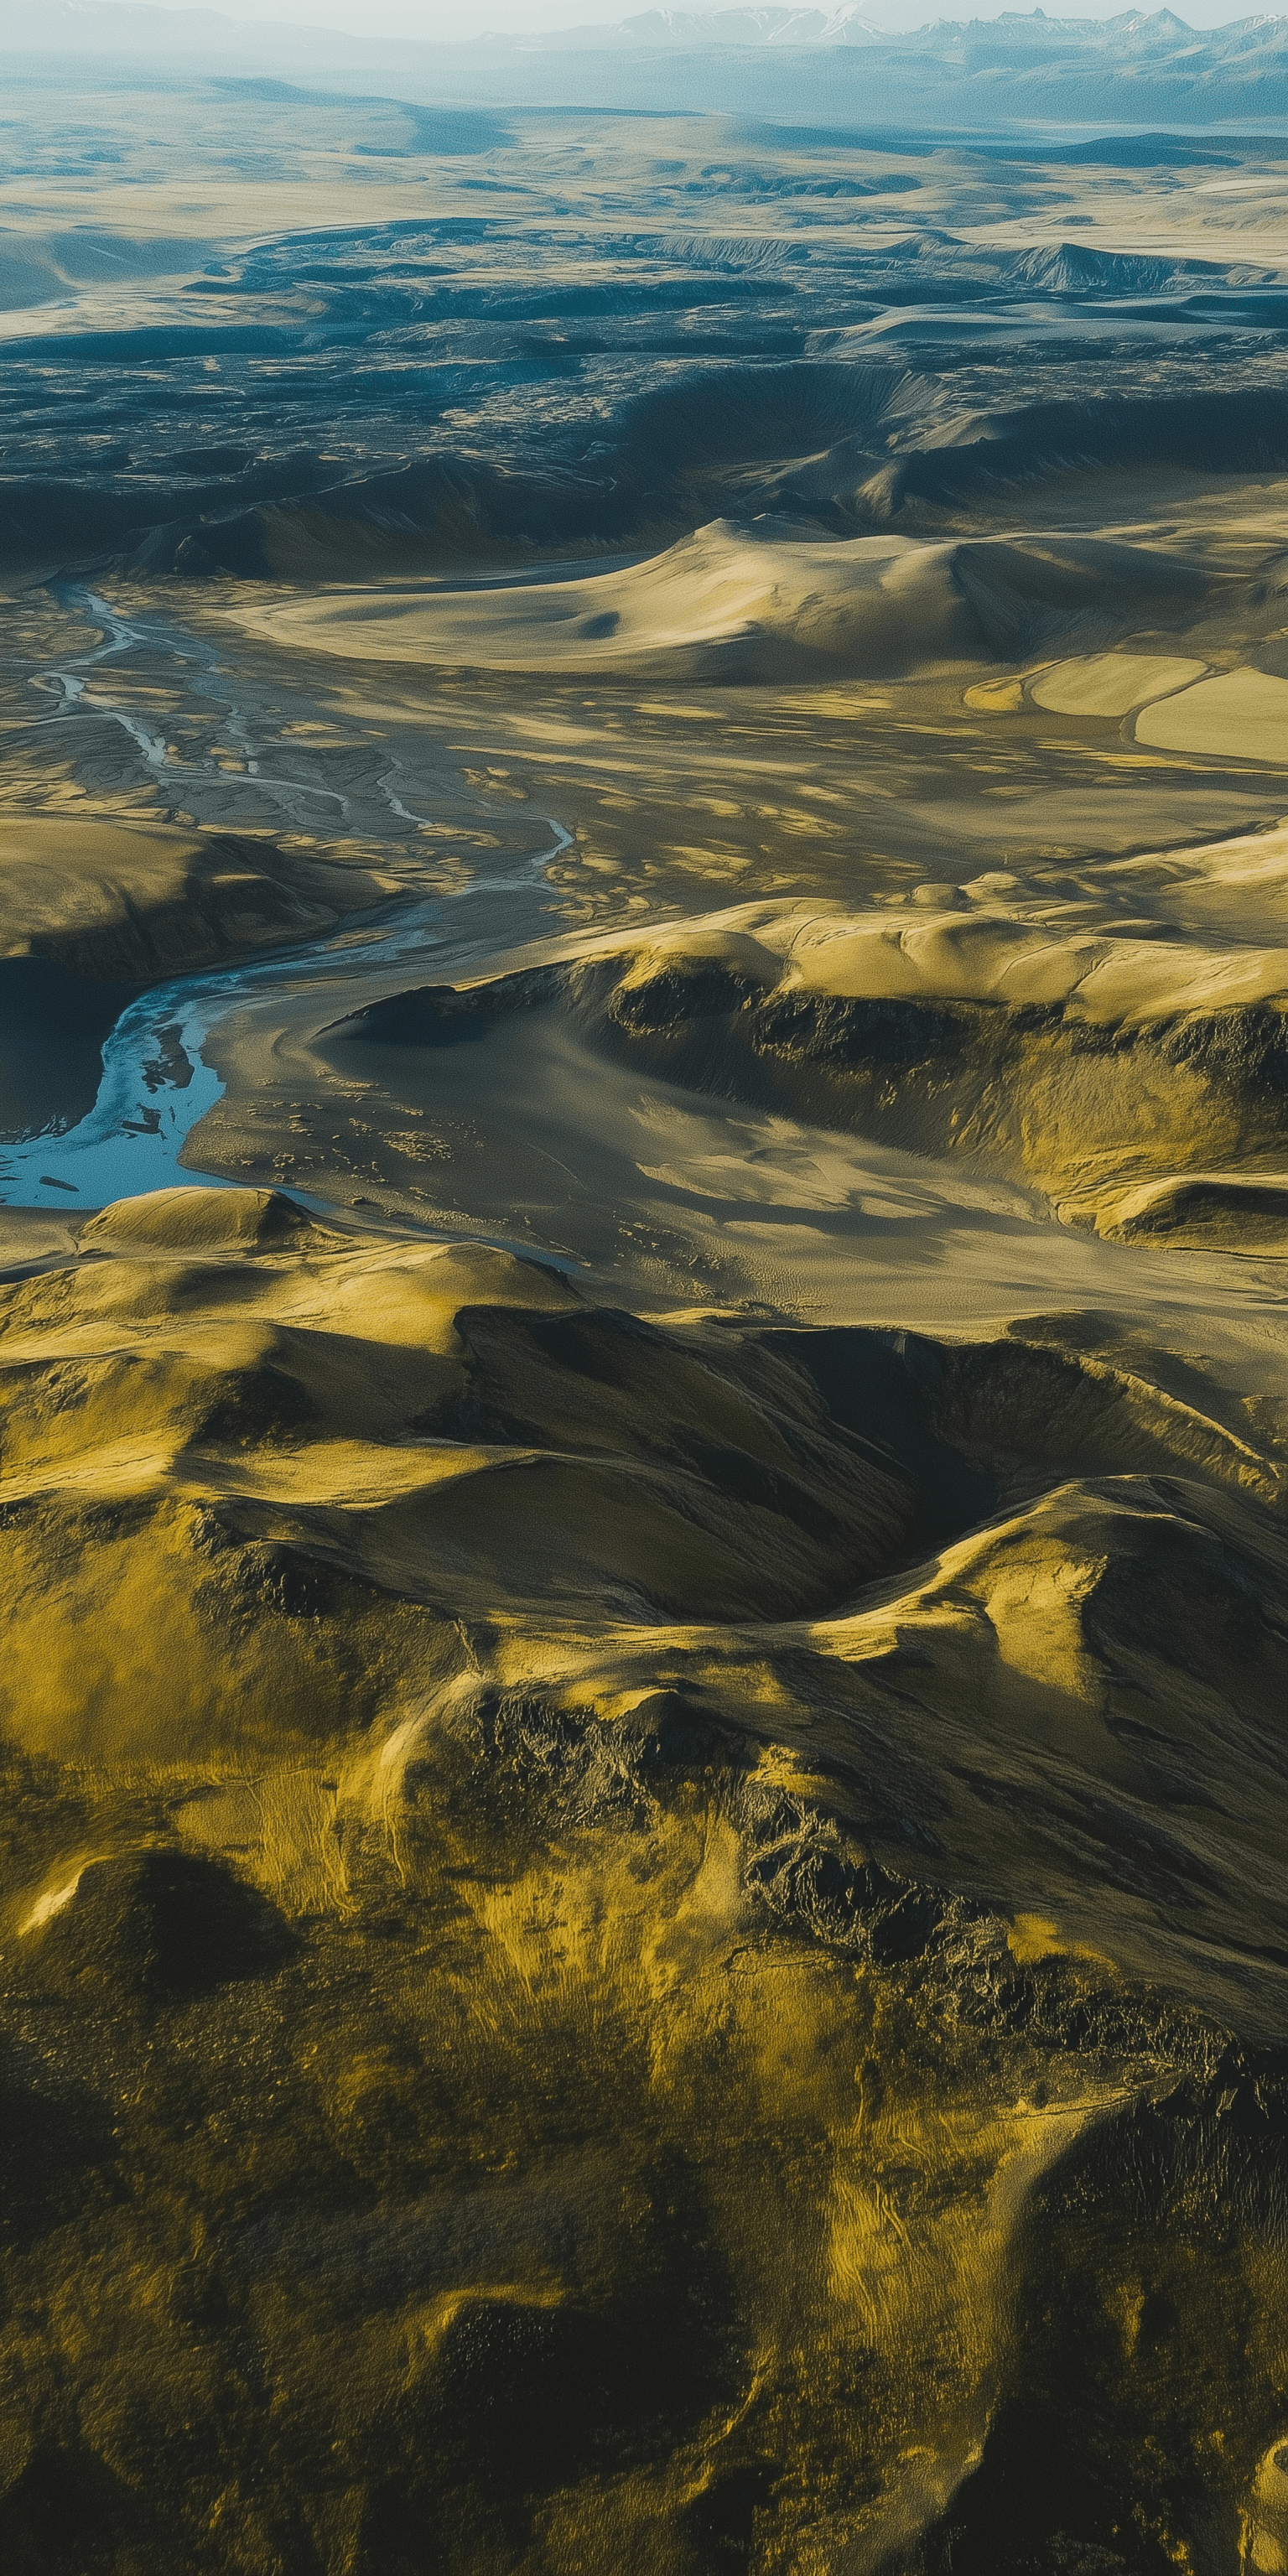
{"type": "Point", "coordinates": [812, 66]}
{"type": "Point", "coordinates": [121, 24]}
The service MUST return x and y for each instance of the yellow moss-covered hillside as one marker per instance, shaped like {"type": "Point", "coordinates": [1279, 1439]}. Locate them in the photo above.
{"type": "Point", "coordinates": [582, 1888]}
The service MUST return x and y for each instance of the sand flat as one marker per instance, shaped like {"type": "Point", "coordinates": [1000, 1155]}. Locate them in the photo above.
{"type": "Point", "coordinates": [1111, 684]}
{"type": "Point", "coordinates": [1243, 715]}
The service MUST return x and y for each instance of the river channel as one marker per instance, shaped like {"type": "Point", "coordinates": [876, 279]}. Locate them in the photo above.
{"type": "Point", "coordinates": [156, 1084]}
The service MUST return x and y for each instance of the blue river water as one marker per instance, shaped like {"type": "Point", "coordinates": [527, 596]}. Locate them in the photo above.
{"type": "Point", "coordinates": [156, 1084]}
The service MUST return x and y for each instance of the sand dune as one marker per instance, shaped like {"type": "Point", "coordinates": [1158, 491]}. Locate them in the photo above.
{"type": "Point", "coordinates": [751, 602]}
{"type": "Point", "coordinates": [726, 603]}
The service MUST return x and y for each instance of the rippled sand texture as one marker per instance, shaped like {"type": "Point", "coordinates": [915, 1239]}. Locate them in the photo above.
{"type": "Point", "coordinates": [642, 1561]}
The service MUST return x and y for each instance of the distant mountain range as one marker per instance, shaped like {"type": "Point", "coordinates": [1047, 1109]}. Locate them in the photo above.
{"type": "Point", "coordinates": [698, 30]}
{"type": "Point", "coordinates": [827, 66]}
{"type": "Point", "coordinates": [1134, 34]}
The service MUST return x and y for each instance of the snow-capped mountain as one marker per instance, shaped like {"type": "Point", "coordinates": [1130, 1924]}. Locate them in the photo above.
{"type": "Point", "coordinates": [698, 31]}
{"type": "Point", "coordinates": [830, 65]}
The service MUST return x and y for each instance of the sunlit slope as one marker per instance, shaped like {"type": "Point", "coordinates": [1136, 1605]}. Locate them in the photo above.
{"type": "Point", "coordinates": [1103, 1068]}
{"type": "Point", "coordinates": [357, 1472]}
{"type": "Point", "coordinates": [589, 1886]}
{"type": "Point", "coordinates": [143, 899]}
{"type": "Point", "coordinates": [726, 602]}
{"type": "Point", "coordinates": [765, 602]}
{"type": "Point", "coordinates": [758, 602]}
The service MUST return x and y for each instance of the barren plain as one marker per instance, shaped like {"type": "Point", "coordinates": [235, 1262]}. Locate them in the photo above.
{"type": "Point", "coordinates": [643, 1417]}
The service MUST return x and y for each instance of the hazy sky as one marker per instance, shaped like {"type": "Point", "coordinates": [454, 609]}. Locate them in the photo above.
{"type": "Point", "coordinates": [451, 19]}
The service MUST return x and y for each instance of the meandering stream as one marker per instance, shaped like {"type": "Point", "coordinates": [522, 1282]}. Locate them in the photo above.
{"type": "Point", "coordinates": [156, 1083]}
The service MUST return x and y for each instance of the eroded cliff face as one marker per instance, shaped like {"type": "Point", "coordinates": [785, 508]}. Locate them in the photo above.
{"type": "Point", "coordinates": [630, 1943]}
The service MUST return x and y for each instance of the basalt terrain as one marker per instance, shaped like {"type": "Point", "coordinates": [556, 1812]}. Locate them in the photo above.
{"type": "Point", "coordinates": [643, 1416]}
